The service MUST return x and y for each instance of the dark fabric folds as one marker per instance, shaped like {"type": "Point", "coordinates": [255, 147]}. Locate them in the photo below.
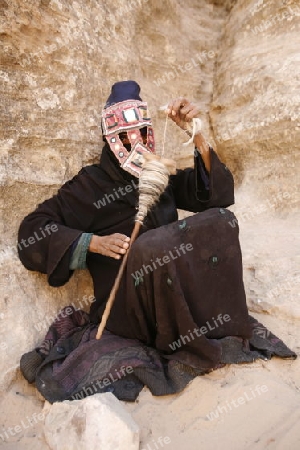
{"type": "Point", "coordinates": [153, 335]}
{"type": "Point", "coordinates": [71, 364]}
{"type": "Point", "coordinates": [91, 202]}
{"type": "Point", "coordinates": [163, 303]}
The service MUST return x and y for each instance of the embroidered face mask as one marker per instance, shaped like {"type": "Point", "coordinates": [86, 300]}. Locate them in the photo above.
{"type": "Point", "coordinates": [129, 117]}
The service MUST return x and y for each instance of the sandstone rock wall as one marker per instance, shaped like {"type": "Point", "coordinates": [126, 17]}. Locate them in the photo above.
{"type": "Point", "coordinates": [255, 117]}
{"type": "Point", "coordinates": [255, 111]}
{"type": "Point", "coordinates": [58, 60]}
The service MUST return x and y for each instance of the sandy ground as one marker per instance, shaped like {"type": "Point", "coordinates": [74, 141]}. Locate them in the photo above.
{"type": "Point", "coordinates": [255, 406]}
{"type": "Point", "coordinates": [268, 418]}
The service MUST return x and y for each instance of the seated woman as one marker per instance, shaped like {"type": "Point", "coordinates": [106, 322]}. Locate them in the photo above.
{"type": "Point", "coordinates": [181, 308]}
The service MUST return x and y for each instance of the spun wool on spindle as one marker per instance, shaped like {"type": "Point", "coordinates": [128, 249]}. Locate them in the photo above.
{"type": "Point", "coordinates": [153, 181]}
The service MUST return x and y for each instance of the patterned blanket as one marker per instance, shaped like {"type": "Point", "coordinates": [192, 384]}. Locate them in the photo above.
{"type": "Point", "coordinates": [71, 364]}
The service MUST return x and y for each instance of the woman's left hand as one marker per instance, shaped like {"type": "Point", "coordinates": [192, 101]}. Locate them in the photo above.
{"type": "Point", "coordinates": [182, 111]}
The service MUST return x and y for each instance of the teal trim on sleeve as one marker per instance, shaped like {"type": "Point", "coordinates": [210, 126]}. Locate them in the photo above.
{"type": "Point", "coordinates": [78, 259]}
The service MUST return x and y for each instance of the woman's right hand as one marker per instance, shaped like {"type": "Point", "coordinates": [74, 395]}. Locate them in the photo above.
{"type": "Point", "coordinates": [114, 245]}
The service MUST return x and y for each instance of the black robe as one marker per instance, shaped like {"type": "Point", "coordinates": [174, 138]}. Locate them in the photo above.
{"type": "Point", "coordinates": [73, 209]}
{"type": "Point", "coordinates": [163, 309]}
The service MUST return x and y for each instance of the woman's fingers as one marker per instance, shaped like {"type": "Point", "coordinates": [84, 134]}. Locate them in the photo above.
{"type": "Point", "coordinates": [181, 110]}
{"type": "Point", "coordinates": [189, 111]}
{"type": "Point", "coordinates": [115, 245]}
{"type": "Point", "coordinates": [175, 105]}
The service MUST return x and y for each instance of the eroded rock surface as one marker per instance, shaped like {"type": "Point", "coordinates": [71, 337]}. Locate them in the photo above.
{"type": "Point", "coordinates": [99, 421]}
{"type": "Point", "coordinates": [238, 59]}
{"type": "Point", "coordinates": [58, 62]}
